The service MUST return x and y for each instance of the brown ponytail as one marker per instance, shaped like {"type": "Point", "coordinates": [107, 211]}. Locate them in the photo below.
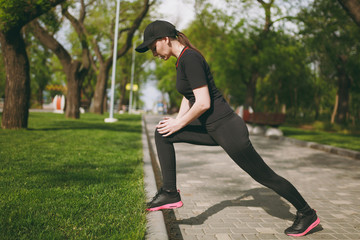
{"type": "Point", "coordinates": [186, 42]}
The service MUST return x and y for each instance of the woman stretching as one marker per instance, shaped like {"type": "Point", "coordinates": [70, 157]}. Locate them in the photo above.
{"type": "Point", "coordinates": [220, 126]}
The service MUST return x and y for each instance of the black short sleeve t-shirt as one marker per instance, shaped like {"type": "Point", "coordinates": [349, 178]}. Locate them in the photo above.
{"type": "Point", "coordinates": [193, 72]}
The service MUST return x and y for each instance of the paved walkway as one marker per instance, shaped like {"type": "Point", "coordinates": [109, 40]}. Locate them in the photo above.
{"type": "Point", "coordinates": [223, 202]}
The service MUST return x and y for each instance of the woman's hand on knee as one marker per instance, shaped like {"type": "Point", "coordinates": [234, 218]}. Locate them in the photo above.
{"type": "Point", "coordinates": [168, 126]}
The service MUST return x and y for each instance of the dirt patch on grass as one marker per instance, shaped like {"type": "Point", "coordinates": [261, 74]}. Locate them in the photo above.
{"type": "Point", "coordinates": [306, 127]}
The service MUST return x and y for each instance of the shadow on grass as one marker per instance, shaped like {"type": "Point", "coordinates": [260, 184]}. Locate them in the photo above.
{"type": "Point", "coordinates": [290, 132]}
{"type": "Point", "coordinates": [66, 125]}
{"type": "Point", "coordinates": [83, 174]}
{"type": "Point", "coordinates": [54, 122]}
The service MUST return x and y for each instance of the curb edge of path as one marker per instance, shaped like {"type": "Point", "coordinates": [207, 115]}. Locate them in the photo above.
{"type": "Point", "coordinates": [327, 148]}
{"type": "Point", "coordinates": [155, 226]}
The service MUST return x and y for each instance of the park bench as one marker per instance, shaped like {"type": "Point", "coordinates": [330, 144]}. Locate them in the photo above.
{"type": "Point", "coordinates": [259, 118]}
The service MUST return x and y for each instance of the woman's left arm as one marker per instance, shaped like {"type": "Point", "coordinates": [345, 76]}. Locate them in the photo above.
{"type": "Point", "coordinates": [168, 125]}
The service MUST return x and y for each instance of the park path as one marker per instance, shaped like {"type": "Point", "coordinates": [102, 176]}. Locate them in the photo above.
{"type": "Point", "coordinates": [222, 202]}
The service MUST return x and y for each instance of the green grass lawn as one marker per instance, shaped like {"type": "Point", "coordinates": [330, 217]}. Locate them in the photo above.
{"type": "Point", "coordinates": [72, 179]}
{"type": "Point", "coordinates": [348, 141]}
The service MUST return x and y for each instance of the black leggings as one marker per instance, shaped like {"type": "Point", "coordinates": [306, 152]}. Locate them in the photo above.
{"type": "Point", "coordinates": [232, 135]}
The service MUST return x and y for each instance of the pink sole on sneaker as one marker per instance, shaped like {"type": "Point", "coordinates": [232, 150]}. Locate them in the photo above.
{"type": "Point", "coordinates": [167, 206]}
{"type": "Point", "coordinates": [307, 230]}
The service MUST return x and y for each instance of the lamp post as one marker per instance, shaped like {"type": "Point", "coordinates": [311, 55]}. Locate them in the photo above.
{"type": "Point", "coordinates": [111, 117]}
{"type": "Point", "coordinates": [132, 78]}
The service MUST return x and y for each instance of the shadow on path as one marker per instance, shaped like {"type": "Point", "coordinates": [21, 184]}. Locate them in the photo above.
{"type": "Point", "coordinates": [263, 198]}
{"type": "Point", "coordinates": [258, 197]}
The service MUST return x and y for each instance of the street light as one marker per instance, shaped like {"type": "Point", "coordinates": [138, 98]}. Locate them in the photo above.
{"type": "Point", "coordinates": [134, 88]}
{"type": "Point", "coordinates": [111, 118]}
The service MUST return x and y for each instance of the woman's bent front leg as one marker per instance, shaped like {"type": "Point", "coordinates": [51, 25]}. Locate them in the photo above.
{"type": "Point", "coordinates": [193, 134]}
{"type": "Point", "coordinates": [168, 196]}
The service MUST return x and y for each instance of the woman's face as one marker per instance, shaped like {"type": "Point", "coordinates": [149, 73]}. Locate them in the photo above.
{"type": "Point", "coordinates": [160, 48]}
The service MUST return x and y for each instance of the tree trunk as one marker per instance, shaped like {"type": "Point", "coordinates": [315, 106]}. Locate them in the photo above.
{"type": "Point", "coordinates": [336, 104]}
{"type": "Point", "coordinates": [73, 95]}
{"type": "Point", "coordinates": [251, 90]}
{"type": "Point", "coordinates": [352, 7]}
{"type": "Point", "coordinates": [40, 97]}
{"type": "Point", "coordinates": [17, 89]}
{"type": "Point", "coordinates": [123, 83]}
{"type": "Point", "coordinates": [317, 107]}
{"type": "Point", "coordinates": [75, 78]}
{"type": "Point", "coordinates": [100, 89]}
{"type": "Point", "coordinates": [343, 93]}
{"type": "Point", "coordinates": [276, 104]}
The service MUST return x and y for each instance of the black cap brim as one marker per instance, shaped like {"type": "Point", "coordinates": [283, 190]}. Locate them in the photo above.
{"type": "Point", "coordinates": [144, 46]}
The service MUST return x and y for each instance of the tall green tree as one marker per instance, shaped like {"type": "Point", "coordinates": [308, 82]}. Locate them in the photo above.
{"type": "Point", "coordinates": [287, 83]}
{"type": "Point", "coordinates": [257, 47]}
{"type": "Point", "coordinates": [352, 7]}
{"type": "Point", "coordinates": [332, 38]}
{"type": "Point", "coordinates": [74, 67]}
{"type": "Point", "coordinates": [13, 16]}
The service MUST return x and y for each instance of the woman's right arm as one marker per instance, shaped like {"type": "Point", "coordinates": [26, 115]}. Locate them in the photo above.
{"type": "Point", "coordinates": [184, 107]}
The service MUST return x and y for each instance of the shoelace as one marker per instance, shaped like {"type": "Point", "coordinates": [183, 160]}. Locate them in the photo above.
{"type": "Point", "coordinates": [297, 219]}
{"type": "Point", "coordinates": [161, 190]}
{"type": "Point", "coordinates": [157, 194]}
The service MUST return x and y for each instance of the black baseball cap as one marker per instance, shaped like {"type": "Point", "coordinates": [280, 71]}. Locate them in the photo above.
{"type": "Point", "coordinates": [155, 30]}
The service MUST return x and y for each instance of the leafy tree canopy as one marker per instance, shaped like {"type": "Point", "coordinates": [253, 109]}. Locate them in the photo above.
{"type": "Point", "coordinates": [14, 14]}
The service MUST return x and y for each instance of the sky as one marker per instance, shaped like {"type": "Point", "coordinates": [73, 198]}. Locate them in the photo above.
{"type": "Point", "coordinates": [178, 12]}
